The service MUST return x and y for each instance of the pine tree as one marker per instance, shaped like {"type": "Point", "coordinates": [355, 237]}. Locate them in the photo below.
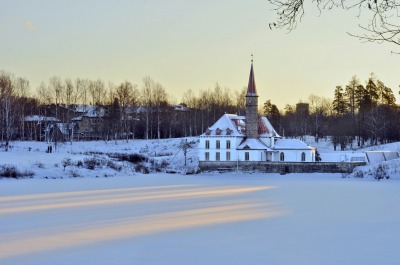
{"type": "Point", "coordinates": [339, 102]}
{"type": "Point", "coordinates": [350, 94]}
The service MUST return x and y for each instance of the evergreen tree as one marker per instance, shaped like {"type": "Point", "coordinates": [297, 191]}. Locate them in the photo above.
{"type": "Point", "coordinates": [339, 101]}
{"type": "Point", "coordinates": [372, 90]}
{"type": "Point", "coordinates": [350, 94]}
{"type": "Point", "coordinates": [267, 107]}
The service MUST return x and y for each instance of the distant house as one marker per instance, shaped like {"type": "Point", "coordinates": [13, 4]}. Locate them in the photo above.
{"type": "Point", "coordinates": [89, 122]}
{"type": "Point", "coordinates": [35, 126]}
{"type": "Point", "coordinates": [249, 138]}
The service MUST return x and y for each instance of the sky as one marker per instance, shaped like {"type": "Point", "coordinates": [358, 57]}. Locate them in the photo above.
{"type": "Point", "coordinates": [186, 44]}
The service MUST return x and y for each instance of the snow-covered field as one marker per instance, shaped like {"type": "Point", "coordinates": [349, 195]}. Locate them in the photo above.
{"type": "Point", "coordinates": [116, 214]}
{"type": "Point", "coordinates": [216, 218]}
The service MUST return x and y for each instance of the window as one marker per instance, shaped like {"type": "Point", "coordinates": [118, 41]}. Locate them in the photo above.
{"type": "Point", "coordinates": [247, 156]}
{"type": "Point", "coordinates": [207, 144]}
{"type": "Point", "coordinates": [207, 156]}
{"type": "Point", "coordinates": [228, 156]}
{"type": "Point", "coordinates": [303, 157]}
{"type": "Point", "coordinates": [217, 156]}
{"type": "Point", "coordinates": [228, 144]}
{"type": "Point", "coordinates": [218, 144]}
{"type": "Point", "coordinates": [282, 156]}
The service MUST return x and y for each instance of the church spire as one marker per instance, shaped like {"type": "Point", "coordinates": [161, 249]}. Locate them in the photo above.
{"type": "Point", "coordinates": [251, 88]}
{"type": "Point", "coordinates": [252, 106]}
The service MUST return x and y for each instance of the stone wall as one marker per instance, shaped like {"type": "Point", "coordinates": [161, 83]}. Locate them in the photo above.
{"type": "Point", "coordinates": [281, 167]}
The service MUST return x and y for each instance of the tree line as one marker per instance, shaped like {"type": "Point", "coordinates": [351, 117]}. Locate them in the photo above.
{"type": "Point", "coordinates": [124, 110]}
{"type": "Point", "coordinates": [365, 112]}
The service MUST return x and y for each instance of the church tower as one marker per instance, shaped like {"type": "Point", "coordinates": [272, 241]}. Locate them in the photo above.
{"type": "Point", "coordinates": [251, 107]}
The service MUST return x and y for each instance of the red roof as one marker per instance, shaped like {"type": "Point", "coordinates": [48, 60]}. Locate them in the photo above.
{"type": "Point", "coordinates": [251, 88]}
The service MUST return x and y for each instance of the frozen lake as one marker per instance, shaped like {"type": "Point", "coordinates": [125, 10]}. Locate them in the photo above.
{"type": "Point", "coordinates": [200, 219]}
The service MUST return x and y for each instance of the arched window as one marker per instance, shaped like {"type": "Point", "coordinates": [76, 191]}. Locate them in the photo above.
{"type": "Point", "coordinates": [303, 157]}
{"type": "Point", "coordinates": [282, 156]}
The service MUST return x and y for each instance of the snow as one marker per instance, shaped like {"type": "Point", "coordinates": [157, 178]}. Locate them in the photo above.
{"type": "Point", "coordinates": [32, 156]}
{"type": "Point", "coordinates": [253, 144]}
{"type": "Point", "coordinates": [290, 144]}
{"type": "Point", "coordinates": [106, 216]}
{"type": "Point", "coordinates": [343, 156]}
{"type": "Point", "coordinates": [39, 118]}
{"type": "Point", "coordinates": [231, 121]}
{"type": "Point", "coordinates": [230, 218]}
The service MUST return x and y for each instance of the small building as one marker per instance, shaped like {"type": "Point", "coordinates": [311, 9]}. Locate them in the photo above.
{"type": "Point", "coordinates": [89, 123]}
{"type": "Point", "coordinates": [249, 138]}
{"type": "Point", "coordinates": [36, 125]}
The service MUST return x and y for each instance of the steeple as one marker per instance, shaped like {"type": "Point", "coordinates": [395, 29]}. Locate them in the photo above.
{"type": "Point", "coordinates": [251, 106]}
{"type": "Point", "coordinates": [251, 88]}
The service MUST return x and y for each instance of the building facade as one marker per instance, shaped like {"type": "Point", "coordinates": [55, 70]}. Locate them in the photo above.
{"type": "Point", "coordinates": [250, 138]}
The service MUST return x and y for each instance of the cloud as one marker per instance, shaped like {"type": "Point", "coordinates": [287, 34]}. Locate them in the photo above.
{"type": "Point", "coordinates": [29, 25]}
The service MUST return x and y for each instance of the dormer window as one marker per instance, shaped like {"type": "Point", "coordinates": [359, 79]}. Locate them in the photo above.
{"type": "Point", "coordinates": [218, 131]}
{"type": "Point", "coordinates": [228, 131]}
{"type": "Point", "coordinates": [208, 131]}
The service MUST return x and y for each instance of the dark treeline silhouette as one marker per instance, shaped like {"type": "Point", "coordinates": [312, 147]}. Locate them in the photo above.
{"type": "Point", "coordinates": [83, 109]}
{"type": "Point", "coordinates": [365, 113]}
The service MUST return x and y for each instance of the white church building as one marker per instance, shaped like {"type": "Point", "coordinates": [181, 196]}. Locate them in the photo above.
{"type": "Point", "coordinates": [236, 138]}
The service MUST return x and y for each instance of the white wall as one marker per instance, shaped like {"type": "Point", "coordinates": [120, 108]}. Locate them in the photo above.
{"type": "Point", "coordinates": [235, 141]}
{"type": "Point", "coordinates": [295, 155]}
{"type": "Point", "coordinates": [255, 155]}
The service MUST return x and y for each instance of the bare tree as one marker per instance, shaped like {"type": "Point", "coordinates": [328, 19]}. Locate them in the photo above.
{"type": "Point", "coordinates": [319, 107]}
{"type": "Point", "coordinates": [22, 92]}
{"type": "Point", "coordinates": [147, 96]}
{"type": "Point", "coordinates": [44, 94]}
{"type": "Point", "coordinates": [6, 100]}
{"type": "Point", "coordinates": [241, 101]}
{"type": "Point", "coordinates": [68, 91]}
{"type": "Point", "coordinates": [189, 99]}
{"type": "Point", "coordinates": [124, 94]}
{"type": "Point", "coordinates": [383, 15]}
{"type": "Point", "coordinates": [160, 102]}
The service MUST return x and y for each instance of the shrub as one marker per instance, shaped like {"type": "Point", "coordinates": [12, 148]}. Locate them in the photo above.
{"type": "Point", "coordinates": [39, 165]}
{"type": "Point", "coordinates": [79, 163]}
{"type": "Point", "coordinates": [381, 172]}
{"type": "Point", "coordinates": [132, 158]}
{"type": "Point", "coordinates": [8, 171]}
{"type": "Point", "coordinates": [11, 171]}
{"type": "Point", "coordinates": [358, 174]}
{"type": "Point", "coordinates": [114, 166]}
{"type": "Point", "coordinates": [66, 162]}
{"type": "Point", "coordinates": [93, 153]}
{"type": "Point", "coordinates": [142, 168]}
{"type": "Point", "coordinates": [91, 163]}
{"type": "Point", "coordinates": [164, 153]}
{"type": "Point", "coordinates": [159, 166]}
{"type": "Point", "coordinates": [74, 174]}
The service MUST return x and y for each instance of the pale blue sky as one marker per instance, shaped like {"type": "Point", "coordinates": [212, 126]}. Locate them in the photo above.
{"type": "Point", "coordinates": [188, 44]}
